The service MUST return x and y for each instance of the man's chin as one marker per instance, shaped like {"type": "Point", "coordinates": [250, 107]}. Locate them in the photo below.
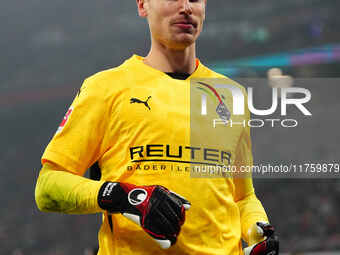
{"type": "Point", "coordinates": [183, 41]}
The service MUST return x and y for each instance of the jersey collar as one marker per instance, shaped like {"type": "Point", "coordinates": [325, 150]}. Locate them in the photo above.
{"type": "Point", "coordinates": [138, 60]}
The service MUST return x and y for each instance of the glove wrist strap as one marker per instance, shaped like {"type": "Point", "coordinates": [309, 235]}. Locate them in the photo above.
{"type": "Point", "coordinates": [112, 197]}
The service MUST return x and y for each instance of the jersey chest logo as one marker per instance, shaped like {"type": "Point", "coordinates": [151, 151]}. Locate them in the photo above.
{"type": "Point", "coordinates": [138, 101]}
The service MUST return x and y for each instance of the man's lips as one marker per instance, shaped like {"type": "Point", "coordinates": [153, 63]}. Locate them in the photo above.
{"type": "Point", "coordinates": [184, 25]}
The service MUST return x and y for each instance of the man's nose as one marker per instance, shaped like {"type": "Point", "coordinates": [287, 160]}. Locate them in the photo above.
{"type": "Point", "coordinates": [185, 7]}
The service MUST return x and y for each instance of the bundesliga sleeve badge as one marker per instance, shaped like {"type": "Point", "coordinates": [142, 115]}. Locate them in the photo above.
{"type": "Point", "coordinates": [65, 119]}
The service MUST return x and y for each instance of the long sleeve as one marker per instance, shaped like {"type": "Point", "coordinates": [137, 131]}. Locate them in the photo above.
{"type": "Point", "coordinates": [251, 209]}
{"type": "Point", "coordinates": [80, 140]}
{"type": "Point", "coordinates": [60, 191]}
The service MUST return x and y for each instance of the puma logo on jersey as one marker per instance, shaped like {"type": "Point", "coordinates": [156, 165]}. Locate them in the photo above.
{"type": "Point", "coordinates": [138, 101]}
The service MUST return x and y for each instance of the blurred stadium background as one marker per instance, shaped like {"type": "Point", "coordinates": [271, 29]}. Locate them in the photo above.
{"type": "Point", "coordinates": [48, 48]}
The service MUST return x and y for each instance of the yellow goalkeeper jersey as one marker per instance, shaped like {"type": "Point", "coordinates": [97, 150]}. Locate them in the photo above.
{"type": "Point", "coordinates": [138, 123]}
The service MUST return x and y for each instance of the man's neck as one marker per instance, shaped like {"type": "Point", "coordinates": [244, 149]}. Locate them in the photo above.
{"type": "Point", "coordinates": [170, 60]}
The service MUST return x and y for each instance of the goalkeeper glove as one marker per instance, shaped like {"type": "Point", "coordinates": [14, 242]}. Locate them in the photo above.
{"type": "Point", "coordinates": [159, 211]}
{"type": "Point", "coordinates": [267, 242]}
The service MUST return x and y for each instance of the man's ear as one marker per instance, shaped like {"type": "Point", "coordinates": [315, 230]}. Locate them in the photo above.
{"type": "Point", "coordinates": [141, 8]}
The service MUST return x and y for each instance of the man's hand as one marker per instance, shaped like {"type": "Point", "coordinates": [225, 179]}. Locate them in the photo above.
{"type": "Point", "coordinates": [159, 211]}
{"type": "Point", "coordinates": [268, 246]}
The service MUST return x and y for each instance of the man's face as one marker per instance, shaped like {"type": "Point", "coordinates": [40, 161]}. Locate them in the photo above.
{"type": "Point", "coordinates": [174, 23]}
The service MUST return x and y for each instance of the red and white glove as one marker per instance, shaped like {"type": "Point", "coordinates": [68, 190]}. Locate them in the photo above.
{"type": "Point", "coordinates": [269, 244]}
{"type": "Point", "coordinates": [159, 211]}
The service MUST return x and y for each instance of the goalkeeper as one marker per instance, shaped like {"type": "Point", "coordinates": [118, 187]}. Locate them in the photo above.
{"type": "Point", "coordinates": [134, 120]}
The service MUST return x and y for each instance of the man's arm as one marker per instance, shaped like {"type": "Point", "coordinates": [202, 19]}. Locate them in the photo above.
{"type": "Point", "coordinates": [159, 211]}
{"type": "Point", "coordinates": [78, 142]}
{"type": "Point", "coordinates": [255, 227]}
{"type": "Point", "coordinates": [58, 190]}
{"type": "Point", "coordinates": [251, 209]}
